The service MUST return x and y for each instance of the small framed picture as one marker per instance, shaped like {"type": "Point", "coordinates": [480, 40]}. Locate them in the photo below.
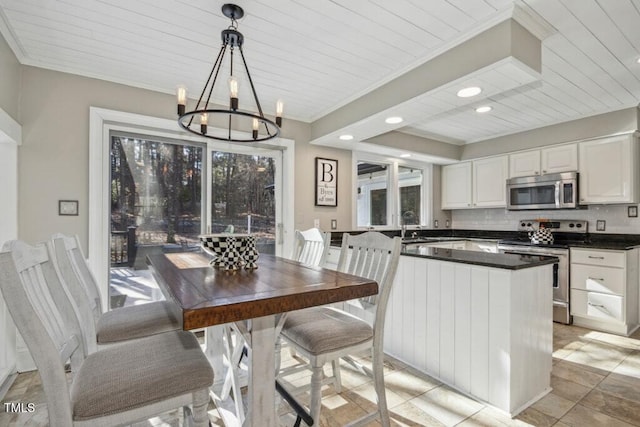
{"type": "Point", "coordinates": [632, 211]}
{"type": "Point", "coordinates": [68, 207]}
{"type": "Point", "coordinates": [326, 182]}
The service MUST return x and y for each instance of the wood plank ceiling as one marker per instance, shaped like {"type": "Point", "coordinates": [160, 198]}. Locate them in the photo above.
{"type": "Point", "coordinates": [320, 55]}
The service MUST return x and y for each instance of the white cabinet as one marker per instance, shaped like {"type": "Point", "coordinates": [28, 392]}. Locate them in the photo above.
{"type": "Point", "coordinates": [604, 289]}
{"type": "Point", "coordinates": [481, 183]}
{"type": "Point", "coordinates": [490, 182]}
{"type": "Point", "coordinates": [608, 170]}
{"type": "Point", "coordinates": [559, 158]}
{"type": "Point", "coordinates": [456, 186]}
{"type": "Point", "coordinates": [525, 163]}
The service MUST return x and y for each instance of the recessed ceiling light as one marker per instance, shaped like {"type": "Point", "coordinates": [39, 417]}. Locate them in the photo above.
{"type": "Point", "coordinates": [346, 137]}
{"type": "Point", "coordinates": [405, 155]}
{"type": "Point", "coordinates": [638, 60]}
{"type": "Point", "coordinates": [483, 109]}
{"type": "Point", "coordinates": [393, 120]}
{"type": "Point", "coordinates": [468, 92]}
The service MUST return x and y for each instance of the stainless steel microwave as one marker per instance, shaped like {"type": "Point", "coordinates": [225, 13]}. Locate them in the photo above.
{"type": "Point", "coordinates": [553, 191]}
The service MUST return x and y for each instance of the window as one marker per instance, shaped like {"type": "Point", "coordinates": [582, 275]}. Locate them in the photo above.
{"type": "Point", "coordinates": [373, 181]}
{"type": "Point", "coordinates": [410, 195]}
{"type": "Point", "coordinates": [390, 193]}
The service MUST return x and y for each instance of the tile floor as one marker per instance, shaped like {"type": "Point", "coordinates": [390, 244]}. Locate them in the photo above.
{"type": "Point", "coordinates": [595, 380]}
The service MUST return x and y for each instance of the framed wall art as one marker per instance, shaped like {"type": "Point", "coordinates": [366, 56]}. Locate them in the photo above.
{"type": "Point", "coordinates": [326, 182]}
{"type": "Point", "coordinates": [68, 207]}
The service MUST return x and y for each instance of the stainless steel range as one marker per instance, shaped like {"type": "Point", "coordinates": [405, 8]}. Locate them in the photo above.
{"type": "Point", "coordinates": [565, 232]}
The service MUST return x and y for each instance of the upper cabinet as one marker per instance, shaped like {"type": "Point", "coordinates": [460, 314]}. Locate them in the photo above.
{"type": "Point", "coordinates": [481, 183]}
{"type": "Point", "coordinates": [525, 163]}
{"type": "Point", "coordinates": [456, 186]}
{"type": "Point", "coordinates": [608, 170]}
{"type": "Point", "coordinates": [561, 158]}
{"type": "Point", "coordinates": [490, 182]}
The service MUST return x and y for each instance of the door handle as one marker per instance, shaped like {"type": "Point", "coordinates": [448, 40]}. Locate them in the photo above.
{"type": "Point", "coordinates": [596, 257]}
{"type": "Point", "coordinates": [596, 278]}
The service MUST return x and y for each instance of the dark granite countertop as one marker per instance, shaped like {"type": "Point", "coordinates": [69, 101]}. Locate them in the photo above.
{"type": "Point", "coordinates": [592, 241]}
{"type": "Point", "coordinates": [486, 259]}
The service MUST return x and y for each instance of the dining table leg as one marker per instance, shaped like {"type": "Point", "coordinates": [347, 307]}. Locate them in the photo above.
{"type": "Point", "coordinates": [218, 345]}
{"type": "Point", "coordinates": [261, 399]}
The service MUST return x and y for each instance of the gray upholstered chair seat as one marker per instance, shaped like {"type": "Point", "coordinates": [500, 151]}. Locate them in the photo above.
{"type": "Point", "coordinates": [152, 318]}
{"type": "Point", "coordinates": [113, 379]}
{"type": "Point", "coordinates": [321, 330]}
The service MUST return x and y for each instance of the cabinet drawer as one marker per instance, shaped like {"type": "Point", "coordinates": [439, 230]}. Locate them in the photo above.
{"type": "Point", "coordinates": [608, 258]}
{"type": "Point", "coordinates": [597, 305]}
{"type": "Point", "coordinates": [599, 279]}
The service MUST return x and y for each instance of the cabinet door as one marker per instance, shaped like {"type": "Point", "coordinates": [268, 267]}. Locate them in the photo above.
{"type": "Point", "coordinates": [456, 186]}
{"type": "Point", "coordinates": [490, 182]}
{"type": "Point", "coordinates": [563, 158]}
{"type": "Point", "coordinates": [607, 172]}
{"type": "Point", "coordinates": [526, 163]}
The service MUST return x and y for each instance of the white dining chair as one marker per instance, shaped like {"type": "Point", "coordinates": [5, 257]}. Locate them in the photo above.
{"type": "Point", "coordinates": [119, 385]}
{"type": "Point", "coordinates": [114, 326]}
{"type": "Point", "coordinates": [324, 334]}
{"type": "Point", "coordinates": [311, 246]}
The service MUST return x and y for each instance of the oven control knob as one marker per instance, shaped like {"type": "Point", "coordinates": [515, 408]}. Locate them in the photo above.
{"type": "Point", "coordinates": [571, 225]}
{"type": "Point", "coordinates": [579, 225]}
{"type": "Point", "coordinates": [522, 224]}
{"type": "Point", "coordinates": [528, 224]}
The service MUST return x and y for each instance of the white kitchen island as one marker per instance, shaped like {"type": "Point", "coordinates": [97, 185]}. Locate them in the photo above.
{"type": "Point", "coordinates": [479, 322]}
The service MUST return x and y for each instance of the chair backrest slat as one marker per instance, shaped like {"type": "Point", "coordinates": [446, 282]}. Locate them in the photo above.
{"type": "Point", "coordinates": [70, 263]}
{"type": "Point", "coordinates": [70, 245]}
{"type": "Point", "coordinates": [310, 247]}
{"type": "Point", "coordinates": [372, 255]}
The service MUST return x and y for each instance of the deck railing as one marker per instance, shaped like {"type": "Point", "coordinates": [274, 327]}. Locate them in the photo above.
{"type": "Point", "coordinates": [123, 247]}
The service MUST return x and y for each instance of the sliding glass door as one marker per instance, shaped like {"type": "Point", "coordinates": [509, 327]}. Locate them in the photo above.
{"type": "Point", "coordinates": [165, 193]}
{"type": "Point", "coordinates": [243, 195]}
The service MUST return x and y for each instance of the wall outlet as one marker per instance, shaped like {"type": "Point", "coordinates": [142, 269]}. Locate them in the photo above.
{"type": "Point", "coordinates": [601, 225]}
{"type": "Point", "coordinates": [435, 223]}
{"type": "Point", "coordinates": [316, 223]}
{"type": "Point", "coordinates": [334, 224]}
{"type": "Point", "coordinates": [447, 223]}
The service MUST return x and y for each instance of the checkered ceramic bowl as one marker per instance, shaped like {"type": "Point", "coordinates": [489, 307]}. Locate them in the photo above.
{"type": "Point", "coordinates": [219, 247]}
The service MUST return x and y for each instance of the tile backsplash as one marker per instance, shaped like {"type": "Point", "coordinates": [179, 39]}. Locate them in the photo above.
{"type": "Point", "coordinates": [617, 221]}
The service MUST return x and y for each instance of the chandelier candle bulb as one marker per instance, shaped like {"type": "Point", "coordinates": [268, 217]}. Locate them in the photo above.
{"type": "Point", "coordinates": [181, 94]}
{"type": "Point", "coordinates": [204, 120]}
{"type": "Point", "coordinates": [279, 110]}
{"type": "Point", "coordinates": [256, 124]}
{"type": "Point", "coordinates": [233, 92]}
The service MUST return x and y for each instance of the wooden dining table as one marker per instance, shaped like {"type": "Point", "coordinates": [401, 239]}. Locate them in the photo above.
{"type": "Point", "coordinates": [256, 299]}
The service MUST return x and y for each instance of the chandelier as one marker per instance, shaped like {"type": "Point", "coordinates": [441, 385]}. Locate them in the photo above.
{"type": "Point", "coordinates": [197, 120]}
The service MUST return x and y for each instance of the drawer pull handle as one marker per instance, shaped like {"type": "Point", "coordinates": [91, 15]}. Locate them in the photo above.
{"type": "Point", "coordinates": [596, 278]}
{"type": "Point", "coordinates": [598, 306]}
{"type": "Point", "coordinates": [596, 257]}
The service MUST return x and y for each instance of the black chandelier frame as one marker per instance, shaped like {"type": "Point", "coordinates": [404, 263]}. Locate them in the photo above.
{"type": "Point", "coordinates": [231, 39]}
